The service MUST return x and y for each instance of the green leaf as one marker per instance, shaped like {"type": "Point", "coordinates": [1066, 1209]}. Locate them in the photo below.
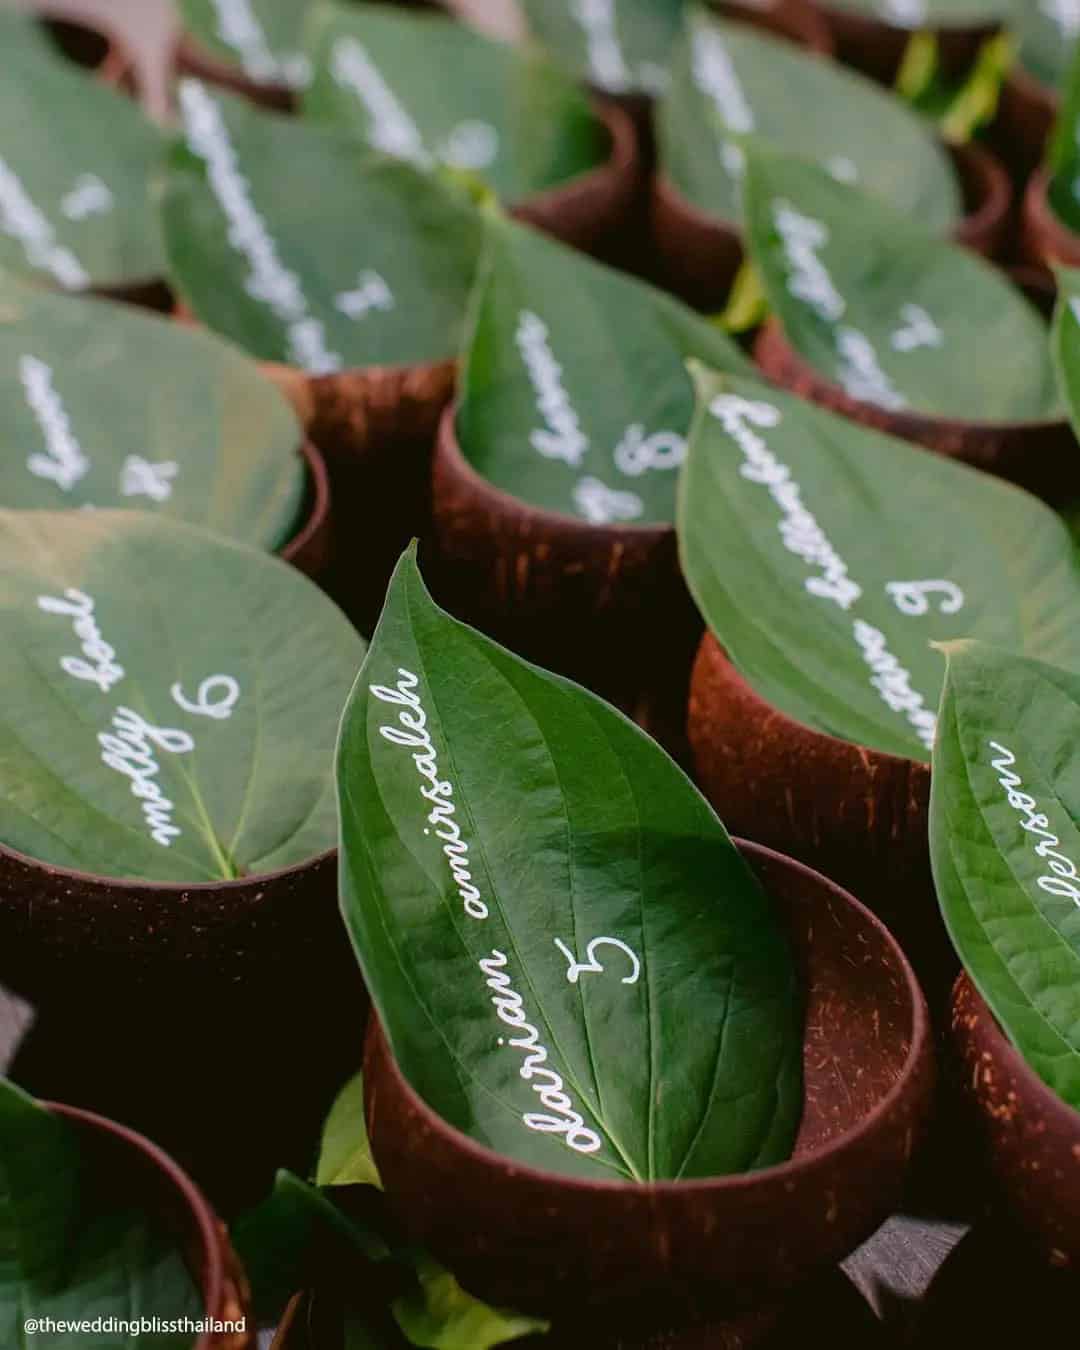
{"type": "Point", "coordinates": [542, 903]}
{"type": "Point", "coordinates": [345, 1152]}
{"type": "Point", "coordinates": [621, 47]}
{"type": "Point", "coordinates": [895, 316]}
{"type": "Point", "coordinates": [975, 103]}
{"type": "Point", "coordinates": [1065, 341]}
{"type": "Point", "coordinates": [107, 405]}
{"type": "Point", "coordinates": [827, 557]}
{"type": "Point", "coordinates": [214, 673]}
{"type": "Point", "coordinates": [1005, 844]}
{"type": "Point", "coordinates": [431, 89]}
{"type": "Point", "coordinates": [264, 38]}
{"type": "Point", "coordinates": [72, 1246]}
{"type": "Point", "coordinates": [937, 14]}
{"type": "Point", "coordinates": [304, 246]}
{"type": "Point", "coordinates": [1047, 34]}
{"type": "Point", "coordinates": [439, 1314]}
{"type": "Point", "coordinates": [75, 165]}
{"type": "Point", "coordinates": [730, 81]}
{"type": "Point", "coordinates": [574, 393]}
{"type": "Point", "coordinates": [1063, 154]}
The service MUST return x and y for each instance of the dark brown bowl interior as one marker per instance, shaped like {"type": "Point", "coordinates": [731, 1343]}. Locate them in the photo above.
{"type": "Point", "coordinates": [680, 1253]}
{"type": "Point", "coordinates": [310, 549]}
{"type": "Point", "coordinates": [603, 604]}
{"type": "Point", "coordinates": [1031, 1137]}
{"type": "Point", "coordinates": [857, 814]}
{"type": "Point", "coordinates": [140, 1174]}
{"type": "Point", "coordinates": [701, 254]}
{"type": "Point", "coordinates": [876, 47]}
{"type": "Point", "coordinates": [1025, 118]}
{"type": "Point", "coordinates": [1039, 455]}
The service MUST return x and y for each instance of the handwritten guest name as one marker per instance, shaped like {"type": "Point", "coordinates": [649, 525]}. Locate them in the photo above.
{"type": "Point", "coordinates": [24, 222]}
{"type": "Point", "coordinates": [64, 462]}
{"type": "Point", "coordinates": [411, 732]}
{"type": "Point", "coordinates": [1062, 879]}
{"type": "Point", "coordinates": [563, 437]}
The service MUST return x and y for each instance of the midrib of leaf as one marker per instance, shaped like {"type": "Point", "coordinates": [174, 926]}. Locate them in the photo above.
{"type": "Point", "coordinates": [616, 1146]}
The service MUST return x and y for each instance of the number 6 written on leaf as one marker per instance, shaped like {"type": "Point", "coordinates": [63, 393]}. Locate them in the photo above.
{"type": "Point", "coordinates": [591, 966]}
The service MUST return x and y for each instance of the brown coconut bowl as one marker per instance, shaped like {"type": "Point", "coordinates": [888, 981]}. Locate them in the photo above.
{"type": "Point", "coordinates": [150, 1179]}
{"type": "Point", "coordinates": [858, 815]}
{"type": "Point", "coordinates": [1044, 238]}
{"type": "Point", "coordinates": [876, 47]}
{"type": "Point", "coordinates": [701, 254]}
{"type": "Point", "coordinates": [603, 604]}
{"type": "Point", "coordinates": [1040, 455]}
{"type": "Point", "coordinates": [375, 428]}
{"type": "Point", "coordinates": [1031, 1137]}
{"type": "Point", "coordinates": [680, 1253]}
{"type": "Point", "coordinates": [311, 547]}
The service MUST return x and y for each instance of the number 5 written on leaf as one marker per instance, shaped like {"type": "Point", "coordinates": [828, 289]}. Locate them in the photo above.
{"type": "Point", "coordinates": [591, 966]}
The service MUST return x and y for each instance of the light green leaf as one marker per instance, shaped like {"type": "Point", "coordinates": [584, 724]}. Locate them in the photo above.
{"type": "Point", "coordinates": [621, 47]}
{"type": "Point", "coordinates": [171, 699]}
{"type": "Point", "coordinates": [574, 393]}
{"type": "Point", "coordinates": [528, 879]}
{"type": "Point", "coordinates": [440, 1315]}
{"type": "Point", "coordinates": [730, 81]}
{"type": "Point", "coordinates": [1005, 844]}
{"type": "Point", "coordinates": [302, 245]}
{"type": "Point", "coordinates": [895, 316]}
{"type": "Point", "coordinates": [72, 1244]}
{"type": "Point", "coordinates": [106, 405]}
{"type": "Point", "coordinates": [345, 1153]}
{"type": "Point", "coordinates": [75, 164]}
{"type": "Point", "coordinates": [264, 38]}
{"type": "Point", "coordinates": [827, 557]}
{"type": "Point", "coordinates": [430, 89]}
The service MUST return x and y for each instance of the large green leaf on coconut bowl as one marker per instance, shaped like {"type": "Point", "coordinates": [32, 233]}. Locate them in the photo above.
{"type": "Point", "coordinates": [574, 392]}
{"type": "Point", "coordinates": [620, 46]}
{"type": "Point", "coordinates": [432, 90]}
{"type": "Point", "coordinates": [1047, 31]}
{"type": "Point", "coordinates": [75, 1244]}
{"type": "Point", "coordinates": [76, 159]}
{"type": "Point", "coordinates": [916, 14]}
{"type": "Point", "coordinates": [105, 405]}
{"type": "Point", "coordinates": [303, 245]}
{"type": "Point", "coordinates": [530, 881]}
{"type": "Point", "coordinates": [730, 80]}
{"type": "Point", "coordinates": [883, 308]}
{"type": "Point", "coordinates": [1005, 847]}
{"type": "Point", "coordinates": [826, 557]}
{"type": "Point", "coordinates": [171, 699]}
{"type": "Point", "coordinates": [263, 38]}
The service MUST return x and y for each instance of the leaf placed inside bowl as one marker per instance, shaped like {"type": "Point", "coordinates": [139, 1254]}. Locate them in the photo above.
{"type": "Point", "coordinates": [75, 1242]}
{"type": "Point", "coordinates": [620, 46]}
{"type": "Point", "coordinates": [76, 159]}
{"type": "Point", "coordinates": [826, 557]}
{"type": "Point", "coordinates": [574, 394]}
{"type": "Point", "coordinates": [263, 38]}
{"type": "Point", "coordinates": [893, 315]}
{"type": "Point", "coordinates": [542, 904]}
{"type": "Point", "coordinates": [107, 405]}
{"type": "Point", "coordinates": [1005, 846]}
{"type": "Point", "coordinates": [1047, 33]}
{"type": "Point", "coordinates": [303, 245]}
{"type": "Point", "coordinates": [729, 80]}
{"type": "Point", "coordinates": [1063, 156]}
{"type": "Point", "coordinates": [171, 699]}
{"type": "Point", "coordinates": [431, 90]}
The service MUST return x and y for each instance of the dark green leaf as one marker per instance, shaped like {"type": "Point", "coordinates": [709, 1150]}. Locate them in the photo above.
{"type": "Point", "coordinates": [1005, 844]}
{"type": "Point", "coordinates": [826, 557]}
{"type": "Point", "coordinates": [304, 246]}
{"type": "Point", "coordinates": [542, 903]}
{"type": "Point", "coordinates": [106, 405]}
{"type": "Point", "coordinates": [894, 315]}
{"type": "Point", "coordinates": [1065, 341]}
{"type": "Point", "coordinates": [730, 80]}
{"type": "Point", "coordinates": [75, 165]}
{"type": "Point", "coordinates": [575, 394]}
{"type": "Point", "coordinates": [430, 89]}
{"type": "Point", "coordinates": [1064, 152]}
{"type": "Point", "coordinates": [171, 699]}
{"type": "Point", "coordinates": [264, 38]}
{"type": "Point", "coordinates": [620, 46]}
{"type": "Point", "coordinates": [71, 1245]}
